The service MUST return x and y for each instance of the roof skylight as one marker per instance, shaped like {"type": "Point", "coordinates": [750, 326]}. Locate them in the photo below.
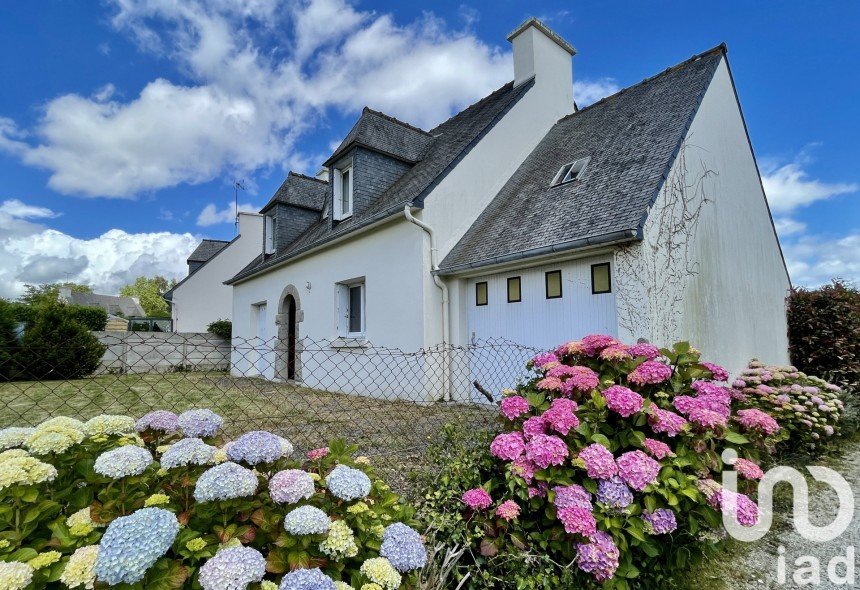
{"type": "Point", "coordinates": [570, 172]}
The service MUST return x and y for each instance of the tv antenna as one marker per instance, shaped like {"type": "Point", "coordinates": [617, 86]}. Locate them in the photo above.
{"type": "Point", "coordinates": [237, 184]}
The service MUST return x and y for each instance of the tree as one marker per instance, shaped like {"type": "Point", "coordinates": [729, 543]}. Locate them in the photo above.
{"type": "Point", "coordinates": [57, 346]}
{"type": "Point", "coordinates": [150, 291]}
{"type": "Point", "coordinates": [49, 292]}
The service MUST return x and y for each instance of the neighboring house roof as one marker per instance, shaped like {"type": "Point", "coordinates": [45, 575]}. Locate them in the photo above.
{"type": "Point", "coordinates": [301, 191]}
{"type": "Point", "coordinates": [385, 134]}
{"type": "Point", "coordinates": [450, 142]}
{"type": "Point", "coordinates": [631, 139]}
{"type": "Point", "coordinates": [206, 250]}
{"type": "Point", "coordinates": [113, 304]}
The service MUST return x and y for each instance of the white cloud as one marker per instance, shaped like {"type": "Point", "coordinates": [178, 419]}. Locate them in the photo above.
{"type": "Point", "coordinates": [211, 215]}
{"type": "Point", "coordinates": [789, 187]}
{"type": "Point", "coordinates": [815, 260]}
{"type": "Point", "coordinates": [257, 75]}
{"type": "Point", "coordinates": [586, 92]}
{"type": "Point", "coordinates": [33, 253]}
{"type": "Point", "coordinates": [786, 226]}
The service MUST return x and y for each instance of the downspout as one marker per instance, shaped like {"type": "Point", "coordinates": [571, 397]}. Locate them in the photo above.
{"type": "Point", "coordinates": [434, 266]}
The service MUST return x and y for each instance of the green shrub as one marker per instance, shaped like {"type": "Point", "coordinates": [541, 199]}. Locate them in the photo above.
{"type": "Point", "coordinates": [809, 409]}
{"type": "Point", "coordinates": [8, 340]}
{"type": "Point", "coordinates": [222, 328]}
{"type": "Point", "coordinates": [94, 318]}
{"type": "Point", "coordinates": [824, 332]}
{"type": "Point", "coordinates": [66, 484]}
{"type": "Point", "coordinates": [604, 450]}
{"type": "Point", "coordinates": [57, 346]}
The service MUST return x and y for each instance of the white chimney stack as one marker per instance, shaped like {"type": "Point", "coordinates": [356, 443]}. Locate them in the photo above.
{"type": "Point", "coordinates": [541, 54]}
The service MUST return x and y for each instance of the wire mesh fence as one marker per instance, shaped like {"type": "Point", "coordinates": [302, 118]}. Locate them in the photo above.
{"type": "Point", "coordinates": [387, 401]}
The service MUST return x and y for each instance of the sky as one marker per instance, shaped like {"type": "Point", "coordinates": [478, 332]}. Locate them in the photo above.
{"type": "Point", "coordinates": [125, 123]}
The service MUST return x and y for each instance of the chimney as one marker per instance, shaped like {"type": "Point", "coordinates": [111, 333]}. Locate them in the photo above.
{"type": "Point", "coordinates": [541, 54]}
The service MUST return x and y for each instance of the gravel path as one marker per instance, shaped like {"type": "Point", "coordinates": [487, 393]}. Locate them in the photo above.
{"type": "Point", "coordinates": [758, 566]}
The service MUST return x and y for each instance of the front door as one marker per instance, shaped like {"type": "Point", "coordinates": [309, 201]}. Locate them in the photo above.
{"type": "Point", "coordinates": [291, 337]}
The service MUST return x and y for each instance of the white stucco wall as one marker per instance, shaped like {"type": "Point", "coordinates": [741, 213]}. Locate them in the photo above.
{"type": "Point", "coordinates": [732, 304]}
{"type": "Point", "coordinates": [203, 297]}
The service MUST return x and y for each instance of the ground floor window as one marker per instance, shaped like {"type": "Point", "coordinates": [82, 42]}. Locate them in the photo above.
{"type": "Point", "coordinates": [351, 309]}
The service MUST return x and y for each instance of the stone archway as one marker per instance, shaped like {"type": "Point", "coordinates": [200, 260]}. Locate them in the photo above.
{"type": "Point", "coordinates": [288, 350]}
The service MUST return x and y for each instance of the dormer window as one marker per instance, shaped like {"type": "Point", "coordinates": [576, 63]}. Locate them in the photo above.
{"type": "Point", "coordinates": [271, 227]}
{"type": "Point", "coordinates": [343, 192]}
{"type": "Point", "coordinates": [570, 172]}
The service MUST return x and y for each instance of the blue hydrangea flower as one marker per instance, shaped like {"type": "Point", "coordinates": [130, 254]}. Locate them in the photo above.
{"type": "Point", "coordinates": [199, 423]}
{"type": "Point", "coordinates": [402, 546]}
{"type": "Point", "coordinates": [188, 451]}
{"type": "Point", "coordinates": [123, 462]}
{"type": "Point", "coordinates": [307, 520]}
{"type": "Point", "coordinates": [614, 492]}
{"type": "Point", "coordinates": [133, 543]}
{"type": "Point", "coordinates": [347, 483]}
{"type": "Point", "coordinates": [290, 486]}
{"type": "Point", "coordinates": [660, 522]}
{"type": "Point", "coordinates": [233, 569]}
{"type": "Point", "coordinates": [257, 446]}
{"type": "Point", "coordinates": [307, 579]}
{"type": "Point", "coordinates": [224, 482]}
{"type": "Point", "coordinates": [160, 420]}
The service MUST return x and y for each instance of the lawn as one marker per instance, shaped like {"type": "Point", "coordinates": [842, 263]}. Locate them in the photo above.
{"type": "Point", "coordinates": [309, 418]}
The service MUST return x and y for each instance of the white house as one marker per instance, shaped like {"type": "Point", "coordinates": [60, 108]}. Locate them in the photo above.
{"type": "Point", "coordinates": [201, 298]}
{"type": "Point", "coordinates": [522, 217]}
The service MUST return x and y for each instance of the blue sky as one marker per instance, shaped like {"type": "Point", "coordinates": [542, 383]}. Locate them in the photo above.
{"type": "Point", "coordinates": [123, 123]}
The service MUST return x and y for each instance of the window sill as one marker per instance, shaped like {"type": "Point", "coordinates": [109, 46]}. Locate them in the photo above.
{"type": "Point", "coordinates": [351, 342]}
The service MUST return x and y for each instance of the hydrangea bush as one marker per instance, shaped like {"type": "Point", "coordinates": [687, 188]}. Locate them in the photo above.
{"type": "Point", "coordinates": [608, 458]}
{"type": "Point", "coordinates": [164, 502]}
{"type": "Point", "coordinates": [809, 409]}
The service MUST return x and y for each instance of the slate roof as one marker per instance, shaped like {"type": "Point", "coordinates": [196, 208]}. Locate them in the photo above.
{"type": "Point", "coordinates": [631, 138]}
{"type": "Point", "coordinates": [382, 133]}
{"type": "Point", "coordinates": [450, 142]}
{"type": "Point", "coordinates": [112, 304]}
{"type": "Point", "coordinates": [301, 191]}
{"type": "Point", "coordinates": [206, 250]}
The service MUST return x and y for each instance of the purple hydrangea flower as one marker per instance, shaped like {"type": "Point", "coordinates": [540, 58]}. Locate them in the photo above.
{"type": "Point", "coordinates": [599, 557]}
{"type": "Point", "coordinates": [233, 569]}
{"type": "Point", "coordinates": [572, 496]}
{"type": "Point", "coordinates": [255, 447]}
{"type": "Point", "coordinates": [160, 420]}
{"type": "Point", "coordinates": [291, 486]}
{"type": "Point", "coordinates": [637, 469]}
{"type": "Point", "coordinates": [307, 579]}
{"type": "Point", "coordinates": [402, 546]}
{"type": "Point", "coordinates": [614, 492]}
{"type": "Point", "coordinates": [199, 423]}
{"type": "Point", "coordinates": [660, 522]}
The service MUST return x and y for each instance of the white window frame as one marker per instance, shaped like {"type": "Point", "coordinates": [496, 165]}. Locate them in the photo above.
{"type": "Point", "coordinates": [339, 213]}
{"type": "Point", "coordinates": [271, 224]}
{"type": "Point", "coordinates": [343, 309]}
{"type": "Point", "coordinates": [570, 172]}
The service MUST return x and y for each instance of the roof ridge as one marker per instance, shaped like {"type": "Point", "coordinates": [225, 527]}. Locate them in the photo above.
{"type": "Point", "coordinates": [367, 109]}
{"type": "Point", "coordinates": [721, 48]}
{"type": "Point", "coordinates": [213, 240]}
{"type": "Point", "coordinates": [474, 104]}
{"type": "Point", "coordinates": [306, 177]}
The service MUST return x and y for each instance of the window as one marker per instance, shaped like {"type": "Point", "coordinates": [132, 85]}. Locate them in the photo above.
{"type": "Point", "coordinates": [343, 192]}
{"type": "Point", "coordinates": [553, 284]}
{"type": "Point", "coordinates": [601, 280]}
{"type": "Point", "coordinates": [481, 297]}
{"type": "Point", "coordinates": [570, 172]}
{"type": "Point", "coordinates": [514, 294]}
{"type": "Point", "coordinates": [271, 227]}
{"type": "Point", "coordinates": [351, 309]}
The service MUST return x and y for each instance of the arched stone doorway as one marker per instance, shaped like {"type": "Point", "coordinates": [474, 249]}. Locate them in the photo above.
{"type": "Point", "coordinates": [288, 362]}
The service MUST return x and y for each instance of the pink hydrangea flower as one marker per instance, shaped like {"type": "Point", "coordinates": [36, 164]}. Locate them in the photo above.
{"type": "Point", "coordinates": [549, 384]}
{"type": "Point", "coordinates": [538, 490]}
{"type": "Point", "coordinates": [718, 372]}
{"type": "Point", "coordinates": [599, 462]}
{"type": "Point", "coordinates": [739, 383]}
{"type": "Point", "coordinates": [544, 450]}
{"type": "Point", "coordinates": [666, 421]}
{"type": "Point", "coordinates": [508, 446]}
{"type": "Point", "coordinates": [514, 406]}
{"type": "Point", "coordinates": [570, 349]}
{"type": "Point", "coordinates": [319, 453]}
{"type": "Point", "coordinates": [616, 352]}
{"type": "Point", "coordinates": [650, 372]}
{"type": "Point", "coordinates": [524, 468]}
{"type": "Point", "coordinates": [649, 351]}
{"type": "Point", "coordinates": [599, 557]}
{"type": "Point", "coordinates": [658, 449]}
{"type": "Point", "coordinates": [508, 510]}
{"type": "Point", "coordinates": [637, 469]}
{"type": "Point", "coordinates": [572, 496]}
{"type": "Point", "coordinates": [543, 359]}
{"type": "Point", "coordinates": [622, 400]}
{"type": "Point", "coordinates": [735, 504]}
{"type": "Point", "coordinates": [754, 419]}
{"type": "Point", "coordinates": [534, 426]}
{"type": "Point", "coordinates": [560, 416]}
{"type": "Point", "coordinates": [477, 499]}
{"type": "Point", "coordinates": [593, 344]}
{"type": "Point", "coordinates": [582, 379]}
{"type": "Point", "coordinates": [748, 469]}
{"type": "Point", "coordinates": [707, 418]}
{"type": "Point", "coordinates": [577, 521]}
